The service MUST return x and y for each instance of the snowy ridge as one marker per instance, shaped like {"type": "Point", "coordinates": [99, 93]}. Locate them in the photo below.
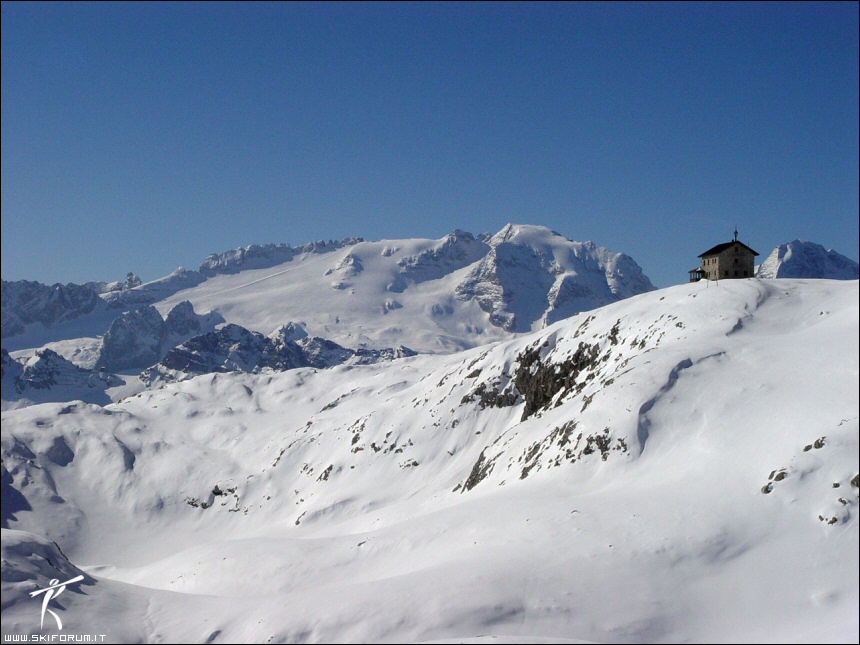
{"type": "Point", "coordinates": [455, 251]}
{"type": "Point", "coordinates": [263, 256]}
{"type": "Point", "coordinates": [559, 485]}
{"type": "Point", "coordinates": [154, 291]}
{"type": "Point", "coordinates": [802, 259]}
{"type": "Point", "coordinates": [131, 281]}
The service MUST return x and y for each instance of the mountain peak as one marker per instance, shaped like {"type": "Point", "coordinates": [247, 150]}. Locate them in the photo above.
{"type": "Point", "coordinates": [533, 276]}
{"type": "Point", "coordinates": [804, 259]}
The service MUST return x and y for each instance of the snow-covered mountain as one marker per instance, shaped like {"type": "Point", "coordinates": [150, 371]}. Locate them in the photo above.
{"type": "Point", "coordinates": [430, 295]}
{"type": "Point", "coordinates": [802, 259]}
{"type": "Point", "coordinates": [531, 277]}
{"type": "Point", "coordinates": [679, 466]}
{"type": "Point", "coordinates": [433, 296]}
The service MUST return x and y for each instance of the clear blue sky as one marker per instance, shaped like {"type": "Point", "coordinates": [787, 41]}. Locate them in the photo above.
{"type": "Point", "coordinates": [144, 136]}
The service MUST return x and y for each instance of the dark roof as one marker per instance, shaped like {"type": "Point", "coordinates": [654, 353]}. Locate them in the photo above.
{"type": "Point", "coordinates": [719, 248]}
{"type": "Point", "coordinates": [697, 270]}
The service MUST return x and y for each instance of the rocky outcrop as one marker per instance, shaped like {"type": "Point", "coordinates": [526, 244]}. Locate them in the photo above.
{"type": "Point", "coordinates": [141, 337]}
{"type": "Point", "coordinates": [135, 338]}
{"type": "Point", "coordinates": [24, 302]}
{"type": "Point", "coordinates": [182, 321]}
{"type": "Point", "coordinates": [10, 367]}
{"type": "Point", "coordinates": [230, 349]}
{"type": "Point", "coordinates": [322, 353]}
{"type": "Point", "coordinates": [236, 349]}
{"type": "Point", "coordinates": [47, 376]}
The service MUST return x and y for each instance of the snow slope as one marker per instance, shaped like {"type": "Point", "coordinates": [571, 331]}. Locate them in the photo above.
{"type": "Point", "coordinates": [680, 466]}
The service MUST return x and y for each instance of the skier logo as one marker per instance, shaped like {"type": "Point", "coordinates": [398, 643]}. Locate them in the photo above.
{"type": "Point", "coordinates": [54, 590]}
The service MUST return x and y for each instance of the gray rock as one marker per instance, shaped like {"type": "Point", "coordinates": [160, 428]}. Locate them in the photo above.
{"type": "Point", "coordinates": [182, 321]}
{"type": "Point", "coordinates": [134, 339]}
{"type": "Point", "coordinates": [23, 302]}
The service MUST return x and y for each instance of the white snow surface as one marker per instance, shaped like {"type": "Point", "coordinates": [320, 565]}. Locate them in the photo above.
{"type": "Point", "coordinates": [803, 259]}
{"type": "Point", "coordinates": [682, 474]}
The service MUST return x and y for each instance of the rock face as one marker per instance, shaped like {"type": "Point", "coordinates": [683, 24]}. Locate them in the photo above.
{"type": "Point", "coordinates": [182, 321]}
{"type": "Point", "coordinates": [230, 349]}
{"type": "Point", "coordinates": [11, 369]}
{"type": "Point", "coordinates": [533, 276]}
{"type": "Point", "coordinates": [134, 339]}
{"type": "Point", "coordinates": [802, 259]}
{"type": "Point", "coordinates": [236, 349]}
{"type": "Point", "coordinates": [141, 337]}
{"type": "Point", "coordinates": [24, 302]}
{"type": "Point", "coordinates": [321, 353]}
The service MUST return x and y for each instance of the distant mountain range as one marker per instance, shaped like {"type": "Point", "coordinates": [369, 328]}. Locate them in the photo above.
{"type": "Point", "coordinates": [322, 304]}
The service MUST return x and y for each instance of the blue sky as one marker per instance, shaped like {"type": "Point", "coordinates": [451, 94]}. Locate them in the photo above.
{"type": "Point", "coordinates": [144, 136]}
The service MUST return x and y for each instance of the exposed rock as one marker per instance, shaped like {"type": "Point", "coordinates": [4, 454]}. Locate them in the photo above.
{"type": "Point", "coordinates": [10, 367]}
{"type": "Point", "coordinates": [236, 349]}
{"type": "Point", "coordinates": [482, 468]}
{"type": "Point", "coordinates": [134, 339]}
{"type": "Point", "coordinates": [539, 382]}
{"type": "Point", "coordinates": [24, 302]}
{"type": "Point", "coordinates": [47, 376]}
{"type": "Point", "coordinates": [46, 368]}
{"type": "Point", "coordinates": [231, 348]}
{"type": "Point", "coordinates": [365, 356]}
{"type": "Point", "coordinates": [492, 398]}
{"type": "Point", "coordinates": [182, 321]}
{"type": "Point", "coordinates": [320, 352]}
